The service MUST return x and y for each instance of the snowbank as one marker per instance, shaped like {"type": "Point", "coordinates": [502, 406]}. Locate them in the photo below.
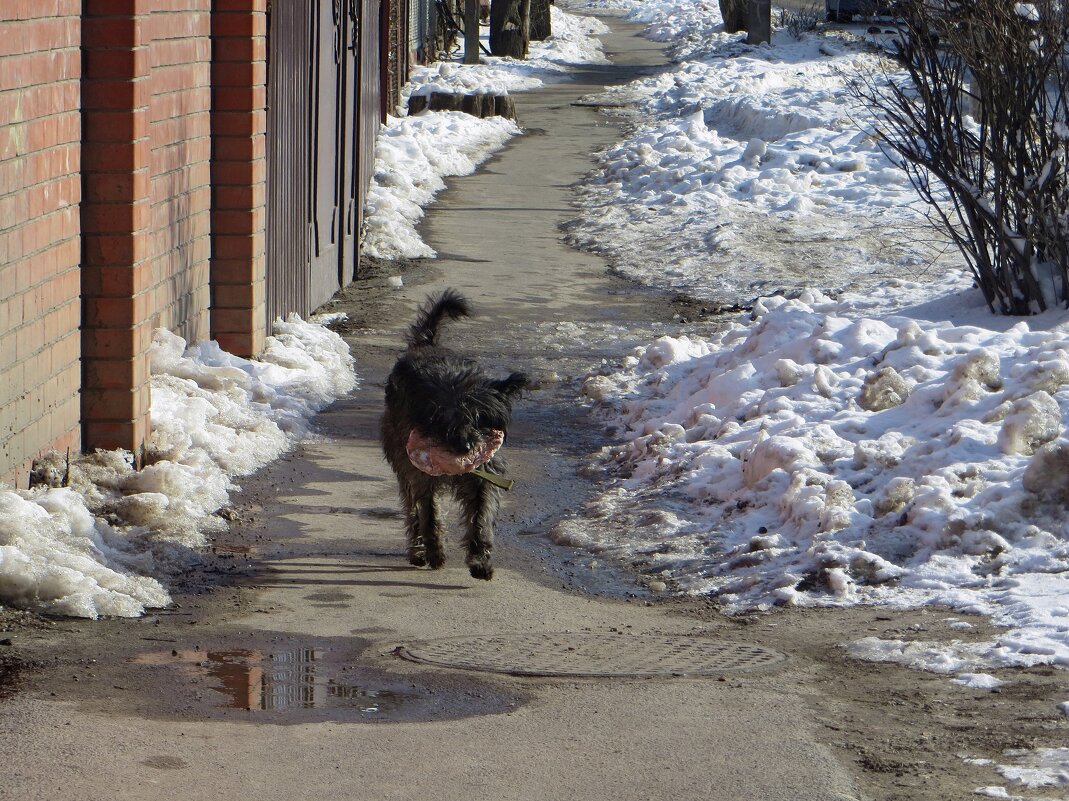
{"type": "Point", "coordinates": [811, 456]}
{"type": "Point", "coordinates": [750, 169]}
{"type": "Point", "coordinates": [107, 542]}
{"type": "Point", "coordinates": [413, 156]}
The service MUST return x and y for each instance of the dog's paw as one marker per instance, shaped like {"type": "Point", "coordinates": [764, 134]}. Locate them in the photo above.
{"type": "Point", "coordinates": [435, 559]}
{"type": "Point", "coordinates": [481, 569]}
{"type": "Point", "coordinates": [417, 558]}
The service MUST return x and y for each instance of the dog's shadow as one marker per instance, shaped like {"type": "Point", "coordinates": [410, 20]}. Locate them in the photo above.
{"type": "Point", "coordinates": [332, 574]}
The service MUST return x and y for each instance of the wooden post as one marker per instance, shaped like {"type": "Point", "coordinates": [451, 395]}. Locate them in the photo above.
{"type": "Point", "coordinates": [445, 101]}
{"type": "Point", "coordinates": [541, 25]}
{"type": "Point", "coordinates": [471, 31]}
{"type": "Point", "coordinates": [473, 104]}
{"type": "Point", "coordinates": [510, 27]}
{"type": "Point", "coordinates": [504, 106]}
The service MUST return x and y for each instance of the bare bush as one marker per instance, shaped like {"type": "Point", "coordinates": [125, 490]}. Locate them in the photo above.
{"type": "Point", "coordinates": [980, 125]}
{"type": "Point", "coordinates": [798, 22]}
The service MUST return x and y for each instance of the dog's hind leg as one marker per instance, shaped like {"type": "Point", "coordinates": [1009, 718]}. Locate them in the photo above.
{"type": "Point", "coordinates": [480, 501]}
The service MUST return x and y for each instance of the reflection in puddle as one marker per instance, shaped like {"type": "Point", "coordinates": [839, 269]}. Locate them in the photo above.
{"type": "Point", "coordinates": [289, 680]}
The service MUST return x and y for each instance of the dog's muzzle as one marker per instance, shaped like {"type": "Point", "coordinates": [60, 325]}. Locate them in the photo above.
{"type": "Point", "coordinates": [434, 459]}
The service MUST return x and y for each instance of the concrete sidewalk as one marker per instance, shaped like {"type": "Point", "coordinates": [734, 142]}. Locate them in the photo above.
{"type": "Point", "coordinates": [327, 574]}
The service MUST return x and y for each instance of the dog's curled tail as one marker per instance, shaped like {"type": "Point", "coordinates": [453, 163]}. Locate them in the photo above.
{"type": "Point", "coordinates": [424, 331]}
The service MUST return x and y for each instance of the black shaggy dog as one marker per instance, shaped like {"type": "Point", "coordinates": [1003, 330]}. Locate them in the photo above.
{"type": "Point", "coordinates": [445, 414]}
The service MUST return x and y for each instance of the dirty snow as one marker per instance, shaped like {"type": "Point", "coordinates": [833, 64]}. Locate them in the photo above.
{"type": "Point", "coordinates": [869, 433]}
{"type": "Point", "coordinates": [749, 170]}
{"type": "Point", "coordinates": [99, 537]}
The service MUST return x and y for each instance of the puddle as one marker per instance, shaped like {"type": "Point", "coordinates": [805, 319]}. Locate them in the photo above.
{"type": "Point", "coordinates": [164, 762]}
{"type": "Point", "coordinates": [297, 679]}
{"type": "Point", "coordinates": [295, 682]}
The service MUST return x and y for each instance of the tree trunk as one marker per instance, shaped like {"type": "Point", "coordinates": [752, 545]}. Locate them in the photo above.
{"type": "Point", "coordinates": [541, 27]}
{"type": "Point", "coordinates": [758, 22]}
{"type": "Point", "coordinates": [734, 14]}
{"type": "Point", "coordinates": [509, 27]}
{"type": "Point", "coordinates": [471, 31]}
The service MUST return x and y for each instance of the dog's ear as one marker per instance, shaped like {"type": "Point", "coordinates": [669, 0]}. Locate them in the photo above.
{"type": "Point", "coordinates": [400, 379]}
{"type": "Point", "coordinates": [511, 386]}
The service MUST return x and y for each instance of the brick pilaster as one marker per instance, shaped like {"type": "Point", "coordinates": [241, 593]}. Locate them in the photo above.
{"type": "Point", "coordinates": [239, 174]}
{"type": "Point", "coordinates": [116, 219]}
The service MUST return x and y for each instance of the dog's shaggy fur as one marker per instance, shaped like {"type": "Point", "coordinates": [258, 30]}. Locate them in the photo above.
{"type": "Point", "coordinates": [450, 400]}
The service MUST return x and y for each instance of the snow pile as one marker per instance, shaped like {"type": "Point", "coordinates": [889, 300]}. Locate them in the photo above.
{"type": "Point", "coordinates": [978, 681]}
{"type": "Point", "coordinates": [572, 42]}
{"type": "Point", "coordinates": [414, 154]}
{"type": "Point", "coordinates": [811, 457]}
{"type": "Point", "coordinates": [102, 544]}
{"type": "Point", "coordinates": [688, 26]}
{"type": "Point", "coordinates": [750, 163]}
{"type": "Point", "coordinates": [604, 7]}
{"type": "Point", "coordinates": [412, 157]}
{"type": "Point", "coordinates": [492, 76]}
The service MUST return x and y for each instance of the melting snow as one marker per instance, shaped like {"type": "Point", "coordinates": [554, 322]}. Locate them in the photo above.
{"type": "Point", "coordinates": [107, 542]}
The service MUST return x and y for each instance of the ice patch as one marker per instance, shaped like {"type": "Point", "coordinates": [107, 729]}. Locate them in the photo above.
{"type": "Point", "coordinates": [978, 681]}
{"type": "Point", "coordinates": [1043, 767]}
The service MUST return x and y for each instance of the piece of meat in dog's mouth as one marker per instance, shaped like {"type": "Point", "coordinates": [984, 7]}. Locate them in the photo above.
{"type": "Point", "coordinates": [434, 459]}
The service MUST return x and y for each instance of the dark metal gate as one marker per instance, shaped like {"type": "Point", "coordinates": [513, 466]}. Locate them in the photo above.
{"type": "Point", "coordinates": [288, 145]}
{"type": "Point", "coordinates": [323, 114]}
{"type": "Point", "coordinates": [370, 108]}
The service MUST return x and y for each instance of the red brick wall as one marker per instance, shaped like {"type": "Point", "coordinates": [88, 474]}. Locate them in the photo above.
{"type": "Point", "coordinates": [40, 67]}
{"type": "Point", "coordinates": [130, 154]}
{"type": "Point", "coordinates": [179, 132]}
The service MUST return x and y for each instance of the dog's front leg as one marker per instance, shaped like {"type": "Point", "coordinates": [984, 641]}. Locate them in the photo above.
{"type": "Point", "coordinates": [417, 552]}
{"type": "Point", "coordinates": [430, 529]}
{"type": "Point", "coordinates": [480, 502]}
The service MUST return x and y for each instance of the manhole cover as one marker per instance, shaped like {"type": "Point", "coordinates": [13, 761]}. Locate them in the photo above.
{"type": "Point", "coordinates": [592, 655]}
